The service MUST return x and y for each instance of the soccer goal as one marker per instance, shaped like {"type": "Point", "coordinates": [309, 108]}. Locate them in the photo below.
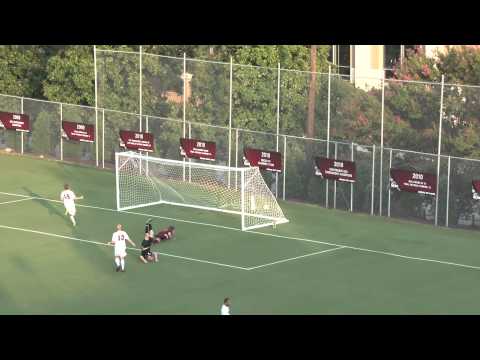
{"type": "Point", "coordinates": [145, 180]}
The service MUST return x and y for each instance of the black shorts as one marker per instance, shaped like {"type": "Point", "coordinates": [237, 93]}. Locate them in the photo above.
{"type": "Point", "coordinates": [146, 253]}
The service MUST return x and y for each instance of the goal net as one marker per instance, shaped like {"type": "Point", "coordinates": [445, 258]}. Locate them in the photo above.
{"type": "Point", "coordinates": [145, 180]}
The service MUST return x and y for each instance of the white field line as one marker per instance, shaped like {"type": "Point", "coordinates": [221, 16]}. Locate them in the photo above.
{"type": "Point", "coordinates": [266, 234]}
{"type": "Point", "coordinates": [294, 258]}
{"type": "Point", "coordinates": [14, 201]}
{"type": "Point", "coordinates": [130, 248]}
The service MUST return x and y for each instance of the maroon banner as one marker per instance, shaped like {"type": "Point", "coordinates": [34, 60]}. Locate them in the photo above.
{"type": "Point", "coordinates": [136, 140]}
{"type": "Point", "coordinates": [265, 160]}
{"type": "Point", "coordinates": [198, 149]}
{"type": "Point", "coordinates": [338, 170]}
{"type": "Point", "coordinates": [476, 189]}
{"type": "Point", "coordinates": [78, 131]}
{"type": "Point", "coordinates": [14, 121]}
{"type": "Point", "coordinates": [411, 181]}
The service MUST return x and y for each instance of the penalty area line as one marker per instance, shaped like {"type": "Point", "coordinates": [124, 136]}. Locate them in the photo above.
{"type": "Point", "coordinates": [15, 201]}
{"type": "Point", "coordinates": [296, 257]}
{"type": "Point", "coordinates": [130, 248]}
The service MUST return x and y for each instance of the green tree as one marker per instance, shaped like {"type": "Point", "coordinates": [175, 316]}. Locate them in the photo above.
{"type": "Point", "coordinates": [461, 65]}
{"type": "Point", "coordinates": [70, 76]}
{"type": "Point", "coordinates": [21, 70]}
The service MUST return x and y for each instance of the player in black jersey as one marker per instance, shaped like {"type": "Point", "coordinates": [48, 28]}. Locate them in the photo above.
{"type": "Point", "coordinates": [147, 255]}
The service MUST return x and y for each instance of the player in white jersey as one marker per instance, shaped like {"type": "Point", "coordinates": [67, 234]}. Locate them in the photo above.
{"type": "Point", "coordinates": [68, 197]}
{"type": "Point", "coordinates": [120, 252]}
{"type": "Point", "coordinates": [225, 310]}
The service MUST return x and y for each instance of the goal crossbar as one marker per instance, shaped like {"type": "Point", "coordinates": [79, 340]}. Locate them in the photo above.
{"type": "Point", "coordinates": [147, 181]}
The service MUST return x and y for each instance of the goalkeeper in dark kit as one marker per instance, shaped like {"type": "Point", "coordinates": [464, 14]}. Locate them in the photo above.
{"type": "Point", "coordinates": [147, 255]}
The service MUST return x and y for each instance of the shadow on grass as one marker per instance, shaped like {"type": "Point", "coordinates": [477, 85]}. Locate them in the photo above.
{"type": "Point", "coordinates": [22, 264]}
{"type": "Point", "coordinates": [52, 209]}
{"type": "Point", "coordinates": [9, 305]}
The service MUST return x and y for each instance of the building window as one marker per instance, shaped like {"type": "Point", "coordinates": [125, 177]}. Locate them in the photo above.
{"type": "Point", "coordinates": [392, 57]}
{"type": "Point", "coordinates": [339, 56]}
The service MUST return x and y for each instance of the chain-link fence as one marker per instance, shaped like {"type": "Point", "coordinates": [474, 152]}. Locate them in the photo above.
{"type": "Point", "coordinates": [239, 106]}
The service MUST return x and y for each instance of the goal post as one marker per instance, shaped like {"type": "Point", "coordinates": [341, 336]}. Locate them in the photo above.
{"type": "Point", "coordinates": [206, 187]}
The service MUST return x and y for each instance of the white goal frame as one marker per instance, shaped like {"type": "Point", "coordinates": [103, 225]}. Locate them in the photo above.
{"type": "Point", "coordinates": [248, 211]}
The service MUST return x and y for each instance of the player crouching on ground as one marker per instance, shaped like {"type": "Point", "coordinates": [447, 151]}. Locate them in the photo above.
{"type": "Point", "coordinates": [165, 234]}
{"type": "Point", "coordinates": [147, 255]}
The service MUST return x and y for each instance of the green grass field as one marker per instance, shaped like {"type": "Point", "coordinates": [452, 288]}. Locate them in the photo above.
{"type": "Point", "coordinates": [322, 262]}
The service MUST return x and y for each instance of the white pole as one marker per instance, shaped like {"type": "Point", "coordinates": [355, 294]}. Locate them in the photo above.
{"type": "Point", "coordinates": [146, 129]}
{"type": "Point", "coordinates": [389, 187]}
{"type": "Point", "coordinates": [373, 177]}
{"type": "Point", "coordinates": [21, 134]}
{"type": "Point", "coordinates": [335, 183]}
{"type": "Point", "coordinates": [103, 138]}
{"type": "Point", "coordinates": [190, 160]}
{"type": "Point", "coordinates": [96, 102]}
{"type": "Point", "coordinates": [117, 181]}
{"type": "Point", "coordinates": [236, 157]}
{"type": "Point", "coordinates": [278, 124]}
{"type": "Point", "coordinates": [140, 99]}
{"type": "Point", "coordinates": [328, 126]}
{"type": "Point", "coordinates": [381, 144]}
{"type": "Point", "coordinates": [284, 163]}
{"type": "Point", "coordinates": [184, 102]}
{"type": "Point", "coordinates": [448, 192]}
{"type": "Point", "coordinates": [96, 138]}
{"type": "Point", "coordinates": [61, 138]}
{"type": "Point", "coordinates": [439, 149]}
{"type": "Point", "coordinates": [242, 196]}
{"type": "Point", "coordinates": [230, 120]}
{"type": "Point", "coordinates": [184, 93]}
{"type": "Point", "coordinates": [351, 185]}
{"type": "Point", "coordinates": [328, 103]}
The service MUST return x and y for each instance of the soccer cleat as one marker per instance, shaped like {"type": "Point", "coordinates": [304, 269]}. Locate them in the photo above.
{"type": "Point", "coordinates": [123, 270]}
{"type": "Point", "coordinates": [118, 269]}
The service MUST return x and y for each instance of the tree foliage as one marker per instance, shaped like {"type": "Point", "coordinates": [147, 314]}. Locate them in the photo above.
{"type": "Point", "coordinates": [70, 76]}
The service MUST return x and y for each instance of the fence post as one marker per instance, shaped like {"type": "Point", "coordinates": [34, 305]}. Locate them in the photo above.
{"type": "Point", "coordinates": [236, 157]}
{"type": "Point", "coordinates": [103, 138]}
{"type": "Point", "coordinates": [284, 163]}
{"type": "Point", "coordinates": [146, 129]}
{"type": "Point", "coordinates": [96, 102]}
{"type": "Point", "coordinates": [389, 187]}
{"type": "Point", "coordinates": [140, 95]}
{"type": "Point", "coordinates": [21, 134]}
{"type": "Point", "coordinates": [448, 191]}
{"type": "Point", "coordinates": [373, 178]}
{"type": "Point", "coordinates": [184, 102]}
{"type": "Point", "coordinates": [230, 121]}
{"type": "Point", "coordinates": [61, 137]}
{"type": "Point", "coordinates": [140, 127]}
{"type": "Point", "coordinates": [278, 124]}
{"type": "Point", "coordinates": [439, 148]}
{"type": "Point", "coordinates": [190, 160]}
{"type": "Point", "coordinates": [96, 137]}
{"type": "Point", "coordinates": [351, 185]}
{"type": "Point", "coordinates": [334, 182]}
{"type": "Point", "coordinates": [381, 145]}
{"type": "Point", "coordinates": [328, 126]}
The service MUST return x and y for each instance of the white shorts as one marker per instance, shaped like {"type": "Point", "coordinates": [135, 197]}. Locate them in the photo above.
{"type": "Point", "coordinates": [121, 252]}
{"type": "Point", "coordinates": [71, 210]}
